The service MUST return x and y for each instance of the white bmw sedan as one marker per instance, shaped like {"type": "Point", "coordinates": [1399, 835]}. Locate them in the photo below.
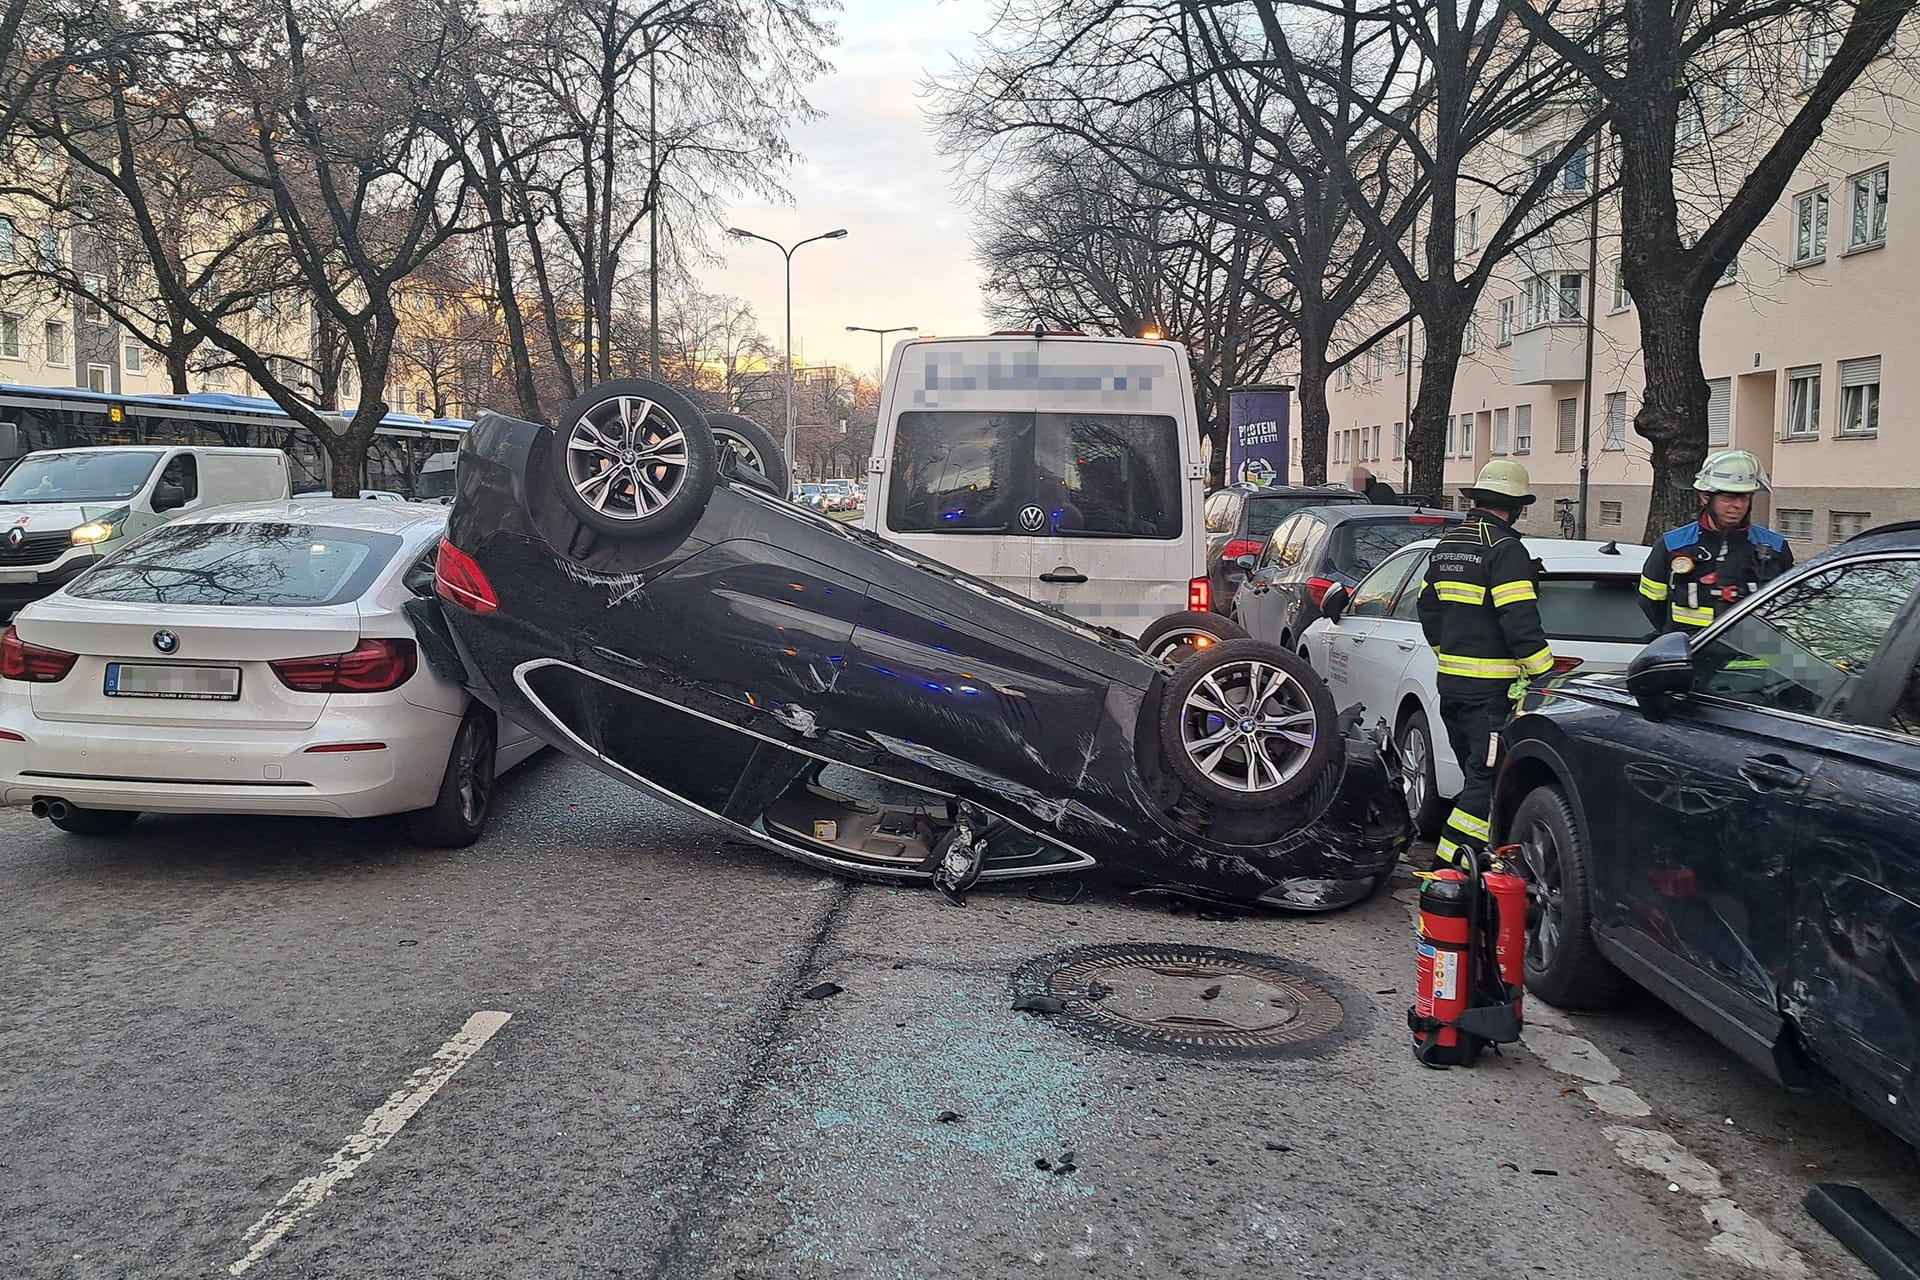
{"type": "Point", "coordinates": [1372, 651]}
{"type": "Point", "coordinates": [276, 658]}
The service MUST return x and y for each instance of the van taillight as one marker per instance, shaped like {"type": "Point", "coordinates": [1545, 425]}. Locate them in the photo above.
{"type": "Point", "coordinates": [457, 579]}
{"type": "Point", "coordinates": [372, 666]}
{"type": "Point", "coordinates": [32, 663]}
{"type": "Point", "coordinates": [1199, 596]}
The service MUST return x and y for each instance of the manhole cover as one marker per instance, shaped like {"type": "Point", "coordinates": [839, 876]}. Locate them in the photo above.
{"type": "Point", "coordinates": [1206, 1001]}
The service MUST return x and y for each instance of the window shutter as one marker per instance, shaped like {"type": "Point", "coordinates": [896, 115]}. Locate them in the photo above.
{"type": "Point", "coordinates": [1569, 415]}
{"type": "Point", "coordinates": [1860, 373]}
{"type": "Point", "coordinates": [1719, 411]}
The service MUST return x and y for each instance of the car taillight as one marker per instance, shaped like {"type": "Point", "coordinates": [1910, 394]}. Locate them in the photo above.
{"type": "Point", "coordinates": [32, 663]}
{"type": "Point", "coordinates": [372, 666]}
{"type": "Point", "coordinates": [1200, 596]}
{"type": "Point", "coordinates": [1241, 547]}
{"type": "Point", "coordinates": [457, 579]}
{"type": "Point", "coordinates": [1563, 665]}
{"type": "Point", "coordinates": [1317, 589]}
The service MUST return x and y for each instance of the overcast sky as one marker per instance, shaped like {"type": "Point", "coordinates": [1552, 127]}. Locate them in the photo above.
{"type": "Point", "coordinates": [870, 166]}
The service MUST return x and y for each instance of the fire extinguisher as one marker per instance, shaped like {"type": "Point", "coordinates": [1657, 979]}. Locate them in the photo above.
{"type": "Point", "coordinates": [1509, 894]}
{"type": "Point", "coordinates": [1444, 971]}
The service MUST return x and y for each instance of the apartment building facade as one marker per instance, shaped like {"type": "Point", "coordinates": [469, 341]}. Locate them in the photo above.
{"type": "Point", "coordinates": [1802, 343]}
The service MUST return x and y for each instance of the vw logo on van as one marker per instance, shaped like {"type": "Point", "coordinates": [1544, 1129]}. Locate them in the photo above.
{"type": "Point", "coordinates": [165, 641]}
{"type": "Point", "coordinates": [1033, 519]}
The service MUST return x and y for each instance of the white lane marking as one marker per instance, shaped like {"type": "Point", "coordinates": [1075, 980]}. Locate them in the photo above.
{"type": "Point", "coordinates": [380, 1128]}
{"type": "Point", "coordinates": [1573, 1056]}
{"type": "Point", "coordinates": [1659, 1154]}
{"type": "Point", "coordinates": [1751, 1243]}
{"type": "Point", "coordinates": [1618, 1100]}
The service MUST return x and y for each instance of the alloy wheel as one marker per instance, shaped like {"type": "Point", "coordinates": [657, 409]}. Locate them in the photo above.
{"type": "Point", "coordinates": [473, 765]}
{"type": "Point", "coordinates": [1249, 726]}
{"type": "Point", "coordinates": [627, 457]}
{"type": "Point", "coordinates": [742, 448]}
{"type": "Point", "coordinates": [1413, 767]}
{"type": "Point", "coordinates": [1546, 886]}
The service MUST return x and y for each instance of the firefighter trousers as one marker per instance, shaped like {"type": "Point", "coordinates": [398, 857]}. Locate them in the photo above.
{"type": "Point", "coordinates": [1473, 727]}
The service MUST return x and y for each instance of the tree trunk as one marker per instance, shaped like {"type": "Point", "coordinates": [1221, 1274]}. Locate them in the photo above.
{"type": "Point", "coordinates": [1439, 365]}
{"type": "Point", "coordinates": [177, 357]}
{"type": "Point", "coordinates": [1315, 417]}
{"type": "Point", "coordinates": [1673, 414]}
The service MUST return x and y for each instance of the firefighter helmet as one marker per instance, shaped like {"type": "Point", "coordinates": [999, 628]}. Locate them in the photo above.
{"type": "Point", "coordinates": [1504, 483]}
{"type": "Point", "coordinates": [1731, 471]}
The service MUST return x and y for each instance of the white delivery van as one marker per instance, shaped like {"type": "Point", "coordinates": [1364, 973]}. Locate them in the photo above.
{"type": "Point", "coordinates": [1062, 467]}
{"type": "Point", "coordinates": [63, 509]}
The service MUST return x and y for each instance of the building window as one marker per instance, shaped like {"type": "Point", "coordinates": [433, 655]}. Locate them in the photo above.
{"type": "Point", "coordinates": [1469, 444]}
{"type": "Point", "coordinates": [1506, 321]}
{"type": "Point", "coordinates": [1842, 525]}
{"type": "Point", "coordinates": [1803, 403]}
{"type": "Point", "coordinates": [1795, 524]}
{"type": "Point", "coordinates": [99, 377]}
{"type": "Point", "coordinates": [1810, 227]}
{"type": "Point", "coordinates": [1616, 437]}
{"type": "Point", "coordinates": [1469, 338]}
{"type": "Point", "coordinates": [1373, 455]}
{"type": "Point", "coordinates": [1399, 439]}
{"type": "Point", "coordinates": [1610, 513]}
{"type": "Point", "coordinates": [90, 309]}
{"type": "Point", "coordinates": [1688, 128]}
{"type": "Point", "coordinates": [1573, 174]}
{"type": "Point", "coordinates": [56, 338]}
{"type": "Point", "coordinates": [1499, 431]}
{"type": "Point", "coordinates": [1466, 232]}
{"type": "Point", "coordinates": [1860, 397]}
{"type": "Point", "coordinates": [1867, 210]}
{"type": "Point", "coordinates": [1621, 298]}
{"type": "Point", "coordinates": [1346, 376]}
{"type": "Point", "coordinates": [1566, 426]}
{"type": "Point", "coordinates": [134, 358]}
{"type": "Point", "coordinates": [10, 337]}
{"type": "Point", "coordinates": [1719, 412]}
{"type": "Point", "coordinates": [1817, 44]}
{"type": "Point", "coordinates": [1523, 429]}
{"type": "Point", "coordinates": [1400, 353]}
{"type": "Point", "coordinates": [9, 252]}
{"type": "Point", "coordinates": [1732, 83]}
{"type": "Point", "coordinates": [50, 246]}
{"type": "Point", "coordinates": [1553, 299]}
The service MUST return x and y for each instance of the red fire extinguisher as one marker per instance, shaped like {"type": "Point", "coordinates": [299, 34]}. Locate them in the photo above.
{"type": "Point", "coordinates": [1444, 971]}
{"type": "Point", "coordinates": [1509, 894]}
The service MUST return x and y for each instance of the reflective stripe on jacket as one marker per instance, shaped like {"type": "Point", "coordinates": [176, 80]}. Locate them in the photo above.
{"type": "Point", "coordinates": [1480, 608]}
{"type": "Point", "coordinates": [1695, 571]}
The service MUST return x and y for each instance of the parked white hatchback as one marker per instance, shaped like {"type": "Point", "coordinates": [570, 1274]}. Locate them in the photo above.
{"type": "Point", "coordinates": [259, 659]}
{"type": "Point", "coordinates": [1370, 650]}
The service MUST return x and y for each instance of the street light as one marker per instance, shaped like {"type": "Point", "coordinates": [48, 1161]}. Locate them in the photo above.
{"type": "Point", "coordinates": [788, 253]}
{"type": "Point", "coordinates": [899, 328]}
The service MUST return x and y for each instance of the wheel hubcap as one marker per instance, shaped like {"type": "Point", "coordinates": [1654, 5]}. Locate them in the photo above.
{"type": "Point", "coordinates": [1248, 726]}
{"type": "Point", "coordinates": [627, 457]}
{"type": "Point", "coordinates": [1545, 909]}
{"type": "Point", "coordinates": [742, 449]}
{"type": "Point", "coordinates": [1413, 768]}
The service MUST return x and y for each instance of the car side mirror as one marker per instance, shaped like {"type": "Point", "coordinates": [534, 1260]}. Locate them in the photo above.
{"type": "Point", "coordinates": [1660, 672]}
{"type": "Point", "coordinates": [1249, 563]}
{"type": "Point", "coordinates": [1335, 602]}
{"type": "Point", "coordinates": [168, 497]}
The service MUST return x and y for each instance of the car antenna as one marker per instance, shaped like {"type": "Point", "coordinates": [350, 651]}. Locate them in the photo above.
{"type": "Point", "coordinates": [1611, 549]}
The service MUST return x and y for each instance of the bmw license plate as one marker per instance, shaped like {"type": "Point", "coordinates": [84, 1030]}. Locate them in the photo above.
{"type": "Point", "coordinates": [197, 684]}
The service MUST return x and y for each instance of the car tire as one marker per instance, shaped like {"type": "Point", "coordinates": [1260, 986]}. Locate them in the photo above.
{"type": "Point", "coordinates": [614, 427]}
{"type": "Point", "coordinates": [1223, 766]}
{"type": "Point", "coordinates": [754, 445]}
{"type": "Point", "coordinates": [459, 812]}
{"type": "Point", "coordinates": [1564, 966]}
{"type": "Point", "coordinates": [1189, 631]}
{"type": "Point", "coordinates": [96, 822]}
{"type": "Point", "coordinates": [1413, 743]}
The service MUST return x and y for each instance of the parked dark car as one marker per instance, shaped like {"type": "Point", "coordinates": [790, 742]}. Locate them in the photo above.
{"type": "Point", "coordinates": [1317, 548]}
{"type": "Point", "coordinates": [662, 614]}
{"type": "Point", "coordinates": [1242, 517]}
{"type": "Point", "coordinates": [1734, 824]}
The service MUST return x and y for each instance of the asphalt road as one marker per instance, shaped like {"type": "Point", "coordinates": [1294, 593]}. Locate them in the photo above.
{"type": "Point", "coordinates": [248, 1043]}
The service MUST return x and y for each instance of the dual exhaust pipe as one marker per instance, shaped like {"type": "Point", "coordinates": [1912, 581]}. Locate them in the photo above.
{"type": "Point", "coordinates": [54, 808]}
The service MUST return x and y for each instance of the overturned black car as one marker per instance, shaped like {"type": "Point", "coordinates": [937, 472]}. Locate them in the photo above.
{"type": "Point", "coordinates": [646, 600]}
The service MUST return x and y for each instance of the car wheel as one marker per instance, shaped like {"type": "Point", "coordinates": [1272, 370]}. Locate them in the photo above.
{"type": "Point", "coordinates": [1564, 966]}
{"type": "Point", "coordinates": [1413, 742]}
{"type": "Point", "coordinates": [634, 458]}
{"type": "Point", "coordinates": [1179, 636]}
{"type": "Point", "coordinates": [459, 813]}
{"type": "Point", "coordinates": [754, 445]}
{"type": "Point", "coordinates": [96, 822]}
{"type": "Point", "coordinates": [1246, 725]}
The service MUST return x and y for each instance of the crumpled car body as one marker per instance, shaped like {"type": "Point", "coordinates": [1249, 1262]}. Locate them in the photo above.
{"type": "Point", "coordinates": [846, 703]}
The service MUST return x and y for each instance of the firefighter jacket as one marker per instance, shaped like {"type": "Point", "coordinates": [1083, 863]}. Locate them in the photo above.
{"type": "Point", "coordinates": [1697, 570]}
{"type": "Point", "coordinates": [1480, 609]}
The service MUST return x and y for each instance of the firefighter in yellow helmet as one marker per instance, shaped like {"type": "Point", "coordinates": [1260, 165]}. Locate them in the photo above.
{"type": "Point", "coordinates": [1707, 565]}
{"type": "Point", "coordinates": [1480, 611]}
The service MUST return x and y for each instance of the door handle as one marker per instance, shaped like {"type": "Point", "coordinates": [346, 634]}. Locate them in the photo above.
{"type": "Point", "coordinates": [1064, 573]}
{"type": "Point", "coordinates": [1359, 639]}
{"type": "Point", "coordinates": [1405, 646]}
{"type": "Point", "coordinates": [1770, 773]}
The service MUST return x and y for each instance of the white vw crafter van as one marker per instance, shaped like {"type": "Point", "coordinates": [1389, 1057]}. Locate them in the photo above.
{"type": "Point", "coordinates": [1061, 467]}
{"type": "Point", "coordinates": [63, 509]}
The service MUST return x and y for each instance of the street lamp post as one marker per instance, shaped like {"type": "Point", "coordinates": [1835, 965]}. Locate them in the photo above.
{"type": "Point", "coordinates": [898, 328]}
{"type": "Point", "coordinates": [788, 253]}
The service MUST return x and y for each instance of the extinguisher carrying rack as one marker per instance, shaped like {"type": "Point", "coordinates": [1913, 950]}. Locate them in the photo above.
{"type": "Point", "coordinates": [1486, 1010]}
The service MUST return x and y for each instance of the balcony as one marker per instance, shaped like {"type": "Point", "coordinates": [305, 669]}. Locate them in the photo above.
{"type": "Point", "coordinates": [1550, 353]}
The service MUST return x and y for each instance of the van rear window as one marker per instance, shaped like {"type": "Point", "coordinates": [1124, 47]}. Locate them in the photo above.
{"type": "Point", "coordinates": [1102, 475]}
